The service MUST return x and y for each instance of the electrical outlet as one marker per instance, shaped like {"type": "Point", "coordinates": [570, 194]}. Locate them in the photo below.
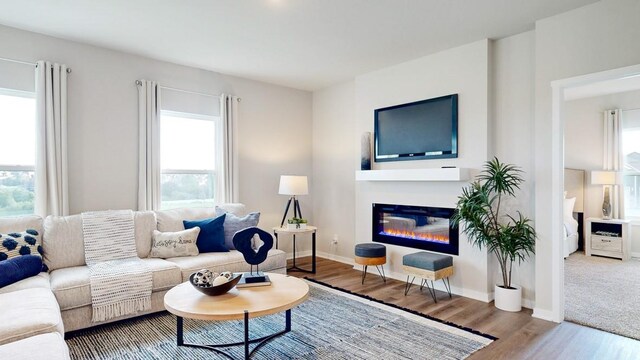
{"type": "Point", "coordinates": [335, 239]}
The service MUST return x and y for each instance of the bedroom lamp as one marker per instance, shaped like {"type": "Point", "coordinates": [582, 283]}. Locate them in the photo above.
{"type": "Point", "coordinates": [606, 179]}
{"type": "Point", "coordinates": [293, 185]}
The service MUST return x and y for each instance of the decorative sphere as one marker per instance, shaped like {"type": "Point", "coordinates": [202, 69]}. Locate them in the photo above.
{"type": "Point", "coordinates": [220, 280]}
{"type": "Point", "coordinates": [203, 277]}
{"type": "Point", "coordinates": [227, 274]}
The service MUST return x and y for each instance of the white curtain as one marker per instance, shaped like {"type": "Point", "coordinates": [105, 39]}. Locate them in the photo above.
{"type": "Point", "coordinates": [227, 189]}
{"type": "Point", "coordinates": [613, 157]}
{"type": "Point", "coordinates": [148, 145]}
{"type": "Point", "coordinates": [51, 186]}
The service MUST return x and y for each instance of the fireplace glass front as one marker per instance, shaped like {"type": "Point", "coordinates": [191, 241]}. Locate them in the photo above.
{"type": "Point", "coordinates": [420, 227]}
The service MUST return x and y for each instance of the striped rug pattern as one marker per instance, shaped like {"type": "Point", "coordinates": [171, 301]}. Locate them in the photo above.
{"type": "Point", "coordinates": [330, 325]}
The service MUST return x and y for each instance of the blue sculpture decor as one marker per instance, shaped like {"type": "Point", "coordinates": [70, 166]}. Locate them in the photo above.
{"type": "Point", "coordinates": [253, 255]}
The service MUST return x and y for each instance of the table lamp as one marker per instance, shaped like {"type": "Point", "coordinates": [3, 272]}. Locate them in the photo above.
{"type": "Point", "coordinates": [293, 185]}
{"type": "Point", "coordinates": [606, 178]}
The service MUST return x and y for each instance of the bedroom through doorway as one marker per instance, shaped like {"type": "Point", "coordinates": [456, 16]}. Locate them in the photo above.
{"type": "Point", "coordinates": [601, 205]}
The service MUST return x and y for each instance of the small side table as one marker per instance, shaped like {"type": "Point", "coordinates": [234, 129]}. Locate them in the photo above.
{"type": "Point", "coordinates": [308, 230]}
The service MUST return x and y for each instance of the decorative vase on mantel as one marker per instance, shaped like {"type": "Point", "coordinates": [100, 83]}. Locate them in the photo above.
{"type": "Point", "coordinates": [365, 151]}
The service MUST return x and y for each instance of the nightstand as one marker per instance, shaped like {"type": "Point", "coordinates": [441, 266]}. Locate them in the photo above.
{"type": "Point", "coordinates": [609, 238]}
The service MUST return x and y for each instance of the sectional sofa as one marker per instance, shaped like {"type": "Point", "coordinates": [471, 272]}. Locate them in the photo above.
{"type": "Point", "coordinates": [36, 312]}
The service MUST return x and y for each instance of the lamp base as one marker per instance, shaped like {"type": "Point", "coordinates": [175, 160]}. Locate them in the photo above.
{"type": "Point", "coordinates": [606, 204]}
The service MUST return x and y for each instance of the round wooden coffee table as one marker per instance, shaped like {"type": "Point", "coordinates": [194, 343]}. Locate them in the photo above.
{"type": "Point", "coordinates": [284, 293]}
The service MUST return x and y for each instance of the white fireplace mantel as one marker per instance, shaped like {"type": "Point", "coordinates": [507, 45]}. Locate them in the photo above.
{"type": "Point", "coordinates": [436, 174]}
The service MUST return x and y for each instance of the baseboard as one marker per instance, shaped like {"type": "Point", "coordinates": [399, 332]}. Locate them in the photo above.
{"type": "Point", "coordinates": [342, 259]}
{"type": "Point", "coordinates": [299, 254]}
{"type": "Point", "coordinates": [322, 254]}
{"type": "Point", "coordinates": [635, 254]}
{"type": "Point", "coordinates": [542, 314]}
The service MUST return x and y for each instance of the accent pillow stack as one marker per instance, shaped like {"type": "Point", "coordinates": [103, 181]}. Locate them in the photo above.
{"type": "Point", "coordinates": [20, 244]}
{"type": "Point", "coordinates": [20, 256]}
{"type": "Point", "coordinates": [216, 234]}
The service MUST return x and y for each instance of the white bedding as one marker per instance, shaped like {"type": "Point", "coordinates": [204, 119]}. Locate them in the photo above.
{"type": "Point", "coordinates": [570, 236]}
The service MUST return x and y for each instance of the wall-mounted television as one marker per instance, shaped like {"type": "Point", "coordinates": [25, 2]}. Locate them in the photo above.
{"type": "Point", "coordinates": [426, 129]}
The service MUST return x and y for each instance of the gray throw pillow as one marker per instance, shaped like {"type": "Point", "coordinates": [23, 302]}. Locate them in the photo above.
{"type": "Point", "coordinates": [233, 224]}
{"type": "Point", "coordinates": [175, 244]}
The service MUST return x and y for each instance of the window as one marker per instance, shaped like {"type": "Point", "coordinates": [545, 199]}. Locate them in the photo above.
{"type": "Point", "coordinates": [188, 157]}
{"type": "Point", "coordinates": [631, 153]}
{"type": "Point", "coordinates": [17, 152]}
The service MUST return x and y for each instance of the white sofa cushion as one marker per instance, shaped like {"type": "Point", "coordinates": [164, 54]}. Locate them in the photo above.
{"type": "Point", "coordinates": [39, 281]}
{"type": "Point", "coordinates": [28, 312]}
{"type": "Point", "coordinates": [227, 261]}
{"type": "Point", "coordinates": [72, 287]}
{"type": "Point", "coordinates": [63, 242]}
{"type": "Point", "coordinates": [171, 220]}
{"type": "Point", "coordinates": [49, 346]}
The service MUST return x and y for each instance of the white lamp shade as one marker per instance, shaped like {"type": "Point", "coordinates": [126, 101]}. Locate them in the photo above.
{"type": "Point", "coordinates": [604, 177]}
{"type": "Point", "coordinates": [293, 185]}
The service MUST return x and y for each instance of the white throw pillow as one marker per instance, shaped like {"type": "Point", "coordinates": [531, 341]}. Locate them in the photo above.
{"type": "Point", "coordinates": [175, 244]}
{"type": "Point", "coordinates": [568, 207]}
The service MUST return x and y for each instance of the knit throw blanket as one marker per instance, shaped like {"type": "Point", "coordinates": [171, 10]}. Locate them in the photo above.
{"type": "Point", "coordinates": [120, 282]}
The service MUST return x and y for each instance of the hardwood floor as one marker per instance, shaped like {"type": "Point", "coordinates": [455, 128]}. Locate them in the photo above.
{"type": "Point", "coordinates": [520, 336]}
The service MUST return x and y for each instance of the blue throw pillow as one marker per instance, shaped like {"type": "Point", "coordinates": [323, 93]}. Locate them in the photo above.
{"type": "Point", "coordinates": [211, 237]}
{"type": "Point", "coordinates": [19, 268]}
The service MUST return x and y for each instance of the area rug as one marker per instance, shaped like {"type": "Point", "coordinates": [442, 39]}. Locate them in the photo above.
{"type": "Point", "coordinates": [331, 324]}
{"type": "Point", "coordinates": [603, 293]}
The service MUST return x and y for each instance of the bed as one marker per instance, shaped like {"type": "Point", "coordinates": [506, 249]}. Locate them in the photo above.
{"type": "Point", "coordinates": [573, 210]}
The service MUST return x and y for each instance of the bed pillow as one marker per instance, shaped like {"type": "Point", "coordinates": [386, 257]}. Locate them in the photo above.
{"type": "Point", "coordinates": [19, 268]}
{"type": "Point", "coordinates": [211, 237]}
{"type": "Point", "coordinates": [234, 223]}
{"type": "Point", "coordinates": [174, 244]}
{"type": "Point", "coordinates": [568, 207]}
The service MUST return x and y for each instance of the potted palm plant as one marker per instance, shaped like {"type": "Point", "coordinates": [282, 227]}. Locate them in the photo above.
{"type": "Point", "coordinates": [511, 238]}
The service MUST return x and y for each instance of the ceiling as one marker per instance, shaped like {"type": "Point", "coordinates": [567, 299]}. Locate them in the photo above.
{"type": "Point", "coordinates": [305, 44]}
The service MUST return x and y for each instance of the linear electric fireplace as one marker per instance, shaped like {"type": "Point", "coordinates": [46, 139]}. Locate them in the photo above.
{"type": "Point", "coordinates": [421, 227]}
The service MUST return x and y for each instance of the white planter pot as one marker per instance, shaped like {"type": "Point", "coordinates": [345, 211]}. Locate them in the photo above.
{"type": "Point", "coordinates": [296, 226]}
{"type": "Point", "coordinates": [508, 299]}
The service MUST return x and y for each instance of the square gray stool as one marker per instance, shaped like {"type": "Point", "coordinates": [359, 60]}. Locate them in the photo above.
{"type": "Point", "coordinates": [428, 267]}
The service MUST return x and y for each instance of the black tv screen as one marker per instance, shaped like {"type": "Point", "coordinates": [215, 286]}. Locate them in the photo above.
{"type": "Point", "coordinates": [426, 129]}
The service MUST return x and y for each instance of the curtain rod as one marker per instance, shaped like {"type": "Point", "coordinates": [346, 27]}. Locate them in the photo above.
{"type": "Point", "coordinates": [26, 63]}
{"type": "Point", "coordinates": [139, 83]}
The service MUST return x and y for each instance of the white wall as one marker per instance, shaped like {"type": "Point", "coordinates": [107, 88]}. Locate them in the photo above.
{"type": "Point", "coordinates": [274, 122]}
{"type": "Point", "coordinates": [514, 79]}
{"type": "Point", "coordinates": [465, 71]}
{"type": "Point", "coordinates": [333, 169]}
{"type": "Point", "coordinates": [584, 137]}
{"type": "Point", "coordinates": [593, 38]}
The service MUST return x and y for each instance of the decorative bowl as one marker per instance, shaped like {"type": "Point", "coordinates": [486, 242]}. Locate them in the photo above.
{"type": "Point", "coordinates": [217, 290]}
